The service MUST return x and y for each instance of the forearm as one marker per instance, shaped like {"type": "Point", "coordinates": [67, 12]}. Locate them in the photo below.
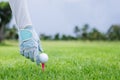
{"type": "Point", "coordinates": [20, 12]}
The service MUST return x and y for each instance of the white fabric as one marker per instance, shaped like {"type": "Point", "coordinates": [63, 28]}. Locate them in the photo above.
{"type": "Point", "coordinates": [21, 13]}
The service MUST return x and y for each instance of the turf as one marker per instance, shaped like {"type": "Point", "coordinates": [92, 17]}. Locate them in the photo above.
{"type": "Point", "coordinates": [68, 60]}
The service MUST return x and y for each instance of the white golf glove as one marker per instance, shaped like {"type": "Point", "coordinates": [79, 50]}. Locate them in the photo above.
{"type": "Point", "coordinates": [30, 44]}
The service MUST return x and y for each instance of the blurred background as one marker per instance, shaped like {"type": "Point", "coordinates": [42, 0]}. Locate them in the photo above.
{"type": "Point", "coordinates": [66, 19]}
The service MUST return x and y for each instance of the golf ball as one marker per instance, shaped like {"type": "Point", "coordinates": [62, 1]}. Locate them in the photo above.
{"type": "Point", "coordinates": [43, 57]}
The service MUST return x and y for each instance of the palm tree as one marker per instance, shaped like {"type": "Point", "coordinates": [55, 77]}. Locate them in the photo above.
{"type": "Point", "coordinates": [85, 31]}
{"type": "Point", "coordinates": [77, 31]}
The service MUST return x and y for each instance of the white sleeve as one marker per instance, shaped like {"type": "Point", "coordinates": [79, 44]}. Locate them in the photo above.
{"type": "Point", "coordinates": [21, 13]}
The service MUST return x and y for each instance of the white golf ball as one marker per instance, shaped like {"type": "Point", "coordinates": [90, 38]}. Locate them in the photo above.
{"type": "Point", "coordinates": [43, 57]}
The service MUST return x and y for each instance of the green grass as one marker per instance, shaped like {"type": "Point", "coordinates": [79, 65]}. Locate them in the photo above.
{"type": "Point", "coordinates": [70, 60]}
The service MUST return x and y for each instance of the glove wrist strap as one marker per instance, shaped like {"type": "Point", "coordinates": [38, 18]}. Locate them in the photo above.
{"type": "Point", "coordinates": [25, 35]}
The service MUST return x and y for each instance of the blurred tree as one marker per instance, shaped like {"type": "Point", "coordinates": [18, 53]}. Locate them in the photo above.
{"type": "Point", "coordinates": [11, 33]}
{"type": "Point", "coordinates": [67, 37]}
{"type": "Point", "coordinates": [114, 32]}
{"type": "Point", "coordinates": [64, 37]}
{"type": "Point", "coordinates": [77, 32]}
{"type": "Point", "coordinates": [96, 35]}
{"type": "Point", "coordinates": [71, 37]}
{"type": "Point", "coordinates": [84, 35]}
{"type": "Point", "coordinates": [57, 36]}
{"type": "Point", "coordinates": [5, 17]}
{"type": "Point", "coordinates": [45, 37]}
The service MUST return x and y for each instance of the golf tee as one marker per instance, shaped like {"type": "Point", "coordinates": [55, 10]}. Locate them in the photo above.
{"type": "Point", "coordinates": [43, 66]}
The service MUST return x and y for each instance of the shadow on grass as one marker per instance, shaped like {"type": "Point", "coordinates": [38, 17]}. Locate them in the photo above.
{"type": "Point", "coordinates": [8, 43]}
{"type": "Point", "coordinates": [4, 44]}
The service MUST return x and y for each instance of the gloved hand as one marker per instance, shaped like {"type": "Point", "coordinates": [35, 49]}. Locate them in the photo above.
{"type": "Point", "coordinates": [30, 44]}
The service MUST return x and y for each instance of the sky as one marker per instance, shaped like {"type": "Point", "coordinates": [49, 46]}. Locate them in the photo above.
{"type": "Point", "coordinates": [52, 16]}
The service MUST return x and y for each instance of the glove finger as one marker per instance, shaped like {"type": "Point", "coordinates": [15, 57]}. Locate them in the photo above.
{"type": "Point", "coordinates": [26, 53]}
{"type": "Point", "coordinates": [38, 60]}
{"type": "Point", "coordinates": [31, 55]}
{"type": "Point", "coordinates": [37, 57]}
{"type": "Point", "coordinates": [40, 49]}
